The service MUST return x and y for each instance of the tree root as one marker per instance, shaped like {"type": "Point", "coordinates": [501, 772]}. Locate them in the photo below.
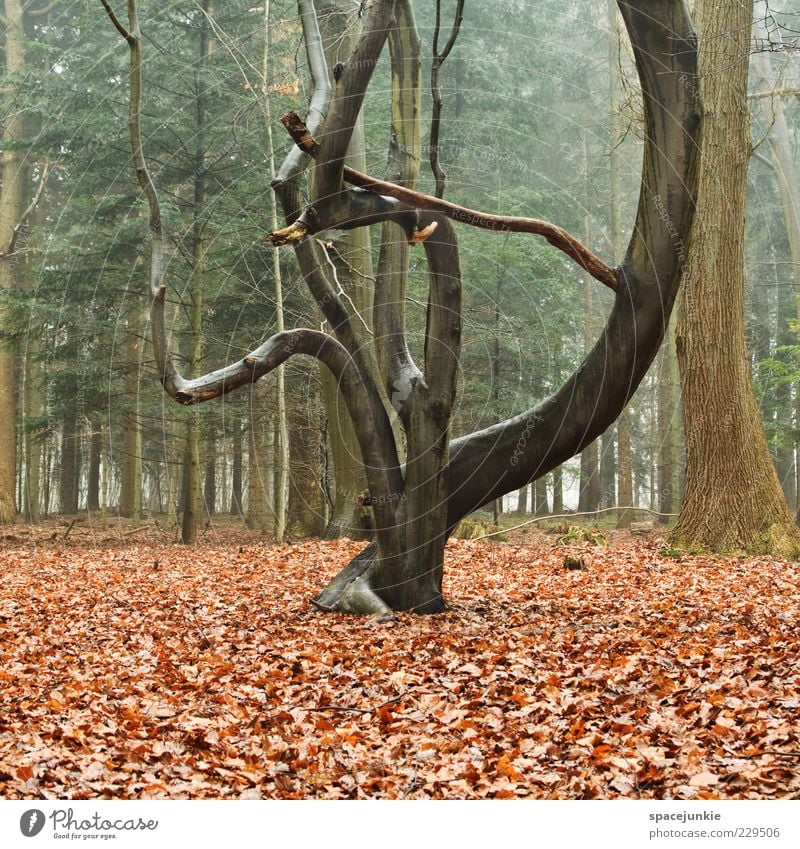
{"type": "Point", "coordinates": [353, 590]}
{"type": "Point", "coordinates": [350, 591]}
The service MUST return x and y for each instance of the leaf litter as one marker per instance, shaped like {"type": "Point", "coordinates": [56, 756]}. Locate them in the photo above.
{"type": "Point", "coordinates": [158, 671]}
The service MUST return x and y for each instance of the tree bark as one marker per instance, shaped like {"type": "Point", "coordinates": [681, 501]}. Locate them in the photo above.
{"type": "Point", "coordinates": [351, 257]}
{"type": "Point", "coordinates": [12, 174]}
{"type": "Point", "coordinates": [282, 448]}
{"type": "Point", "coordinates": [192, 494]}
{"type": "Point", "coordinates": [522, 501]}
{"type": "Point", "coordinates": [34, 407]}
{"type": "Point", "coordinates": [608, 469]}
{"type": "Point", "coordinates": [130, 497]}
{"type": "Point", "coordinates": [258, 469]}
{"type": "Point", "coordinates": [540, 495]}
{"type": "Point", "coordinates": [69, 477]}
{"type": "Point", "coordinates": [191, 489]}
{"type": "Point", "coordinates": [668, 429]}
{"type": "Point", "coordinates": [558, 490]}
{"type": "Point", "coordinates": [782, 158]}
{"type": "Point", "coordinates": [236, 507]}
{"type": "Point", "coordinates": [93, 477]}
{"type": "Point", "coordinates": [305, 494]}
{"type": "Point", "coordinates": [210, 475]}
{"type": "Point", "coordinates": [733, 500]}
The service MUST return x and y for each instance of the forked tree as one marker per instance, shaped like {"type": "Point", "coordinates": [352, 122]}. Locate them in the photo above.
{"type": "Point", "coordinates": [418, 498]}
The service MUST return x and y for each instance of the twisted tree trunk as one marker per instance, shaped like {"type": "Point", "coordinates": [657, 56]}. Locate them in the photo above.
{"type": "Point", "coordinates": [416, 504]}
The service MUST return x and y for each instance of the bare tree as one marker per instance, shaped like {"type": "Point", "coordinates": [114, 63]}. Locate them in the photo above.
{"type": "Point", "coordinates": [417, 503]}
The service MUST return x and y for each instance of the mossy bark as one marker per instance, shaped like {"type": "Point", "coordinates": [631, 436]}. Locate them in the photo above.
{"type": "Point", "coordinates": [733, 501]}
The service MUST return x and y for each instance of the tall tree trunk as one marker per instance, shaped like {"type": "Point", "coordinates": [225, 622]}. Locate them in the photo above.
{"type": "Point", "coordinates": [783, 165]}
{"type": "Point", "coordinates": [668, 429]}
{"type": "Point", "coordinates": [192, 496]}
{"type": "Point", "coordinates": [733, 499]}
{"type": "Point", "coordinates": [624, 471]}
{"type": "Point", "coordinates": [47, 481]}
{"type": "Point", "coordinates": [540, 496]}
{"type": "Point", "coordinates": [34, 402]}
{"type": "Point", "coordinates": [589, 496]}
{"type": "Point", "coordinates": [12, 175]}
{"type": "Point", "coordinates": [608, 469]}
{"type": "Point", "coordinates": [352, 257]}
{"type": "Point", "coordinates": [93, 477]}
{"type": "Point", "coordinates": [130, 496]}
{"type": "Point", "coordinates": [783, 448]}
{"type": "Point", "coordinates": [210, 475]}
{"type": "Point", "coordinates": [522, 501]}
{"type": "Point", "coordinates": [34, 407]}
{"type": "Point", "coordinates": [259, 516]}
{"type": "Point", "coordinates": [305, 494]}
{"type": "Point", "coordinates": [236, 508]}
{"type": "Point", "coordinates": [34, 440]}
{"type": "Point", "coordinates": [105, 468]}
{"type": "Point", "coordinates": [69, 477]}
{"type": "Point", "coordinates": [281, 455]}
{"type": "Point", "coordinates": [174, 466]}
{"type": "Point", "coordinates": [558, 490]}
{"type": "Point", "coordinates": [624, 460]}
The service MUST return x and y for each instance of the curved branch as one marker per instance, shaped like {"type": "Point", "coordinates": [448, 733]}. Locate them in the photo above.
{"type": "Point", "coordinates": [502, 458]}
{"type": "Point", "coordinates": [170, 378]}
{"type": "Point", "coordinates": [556, 236]}
{"type": "Point", "coordinates": [347, 210]}
{"type": "Point", "coordinates": [116, 21]}
{"type": "Point", "coordinates": [264, 359]}
{"type": "Point", "coordinates": [313, 343]}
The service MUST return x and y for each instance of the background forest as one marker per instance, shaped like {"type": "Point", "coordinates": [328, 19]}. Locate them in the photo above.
{"type": "Point", "coordinates": [541, 117]}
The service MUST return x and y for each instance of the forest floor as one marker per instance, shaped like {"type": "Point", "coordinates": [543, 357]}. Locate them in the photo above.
{"type": "Point", "coordinates": [131, 667]}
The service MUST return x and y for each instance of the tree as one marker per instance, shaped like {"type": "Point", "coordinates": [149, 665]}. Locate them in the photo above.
{"type": "Point", "coordinates": [623, 471]}
{"type": "Point", "coordinates": [12, 175]}
{"type": "Point", "coordinates": [415, 505]}
{"type": "Point", "coordinates": [781, 163]}
{"type": "Point", "coordinates": [733, 499]}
